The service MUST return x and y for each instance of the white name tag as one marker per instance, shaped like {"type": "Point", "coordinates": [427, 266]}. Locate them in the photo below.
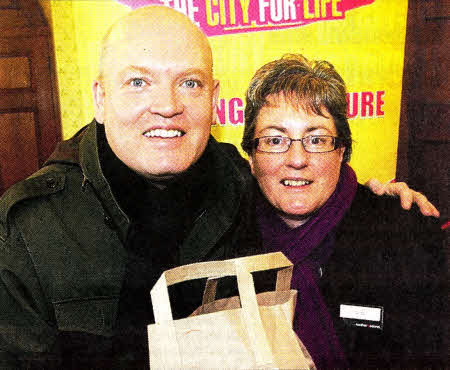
{"type": "Point", "coordinates": [362, 316]}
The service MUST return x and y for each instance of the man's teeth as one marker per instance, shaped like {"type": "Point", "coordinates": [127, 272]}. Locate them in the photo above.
{"type": "Point", "coordinates": [296, 182]}
{"type": "Point", "coordinates": [163, 133]}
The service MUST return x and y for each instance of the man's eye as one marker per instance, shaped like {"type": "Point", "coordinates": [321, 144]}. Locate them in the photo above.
{"type": "Point", "coordinates": [191, 84]}
{"type": "Point", "coordinates": [137, 82]}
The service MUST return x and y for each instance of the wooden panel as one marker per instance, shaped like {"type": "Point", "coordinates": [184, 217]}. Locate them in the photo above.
{"type": "Point", "coordinates": [436, 118]}
{"type": "Point", "coordinates": [29, 112]}
{"type": "Point", "coordinates": [436, 8]}
{"type": "Point", "coordinates": [424, 140]}
{"type": "Point", "coordinates": [12, 19]}
{"type": "Point", "coordinates": [7, 4]}
{"type": "Point", "coordinates": [41, 98]}
{"type": "Point", "coordinates": [431, 173]}
{"type": "Point", "coordinates": [436, 60]}
{"type": "Point", "coordinates": [18, 150]}
{"type": "Point", "coordinates": [16, 100]}
{"type": "Point", "coordinates": [20, 17]}
{"type": "Point", "coordinates": [14, 72]}
{"type": "Point", "coordinates": [47, 113]}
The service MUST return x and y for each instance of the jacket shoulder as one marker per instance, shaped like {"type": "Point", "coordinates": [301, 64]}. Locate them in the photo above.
{"type": "Point", "coordinates": [384, 213]}
{"type": "Point", "coordinates": [48, 180]}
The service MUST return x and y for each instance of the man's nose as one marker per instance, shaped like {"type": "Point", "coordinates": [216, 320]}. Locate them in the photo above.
{"type": "Point", "coordinates": [166, 102]}
{"type": "Point", "coordinates": [297, 156]}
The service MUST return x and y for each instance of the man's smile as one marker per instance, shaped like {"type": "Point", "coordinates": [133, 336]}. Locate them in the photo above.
{"type": "Point", "coordinates": [163, 133]}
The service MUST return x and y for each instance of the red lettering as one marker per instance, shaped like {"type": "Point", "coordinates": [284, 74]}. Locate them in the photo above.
{"type": "Point", "coordinates": [235, 115]}
{"type": "Point", "coordinates": [380, 103]}
{"type": "Point", "coordinates": [352, 105]}
{"type": "Point", "coordinates": [366, 103]}
{"type": "Point", "coordinates": [220, 109]}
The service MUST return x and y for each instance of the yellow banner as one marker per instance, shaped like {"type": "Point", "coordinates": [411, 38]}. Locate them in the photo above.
{"type": "Point", "coordinates": [363, 39]}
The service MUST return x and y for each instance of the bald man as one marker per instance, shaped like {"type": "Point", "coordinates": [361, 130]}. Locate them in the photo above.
{"type": "Point", "coordinates": [141, 189]}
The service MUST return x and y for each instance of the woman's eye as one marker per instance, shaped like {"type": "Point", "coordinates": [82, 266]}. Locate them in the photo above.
{"type": "Point", "coordinates": [137, 82]}
{"type": "Point", "coordinates": [191, 84]}
{"type": "Point", "coordinates": [317, 140]}
{"type": "Point", "coordinates": [274, 141]}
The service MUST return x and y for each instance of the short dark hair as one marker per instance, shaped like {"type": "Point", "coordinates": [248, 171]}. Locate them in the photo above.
{"type": "Point", "coordinates": [310, 85]}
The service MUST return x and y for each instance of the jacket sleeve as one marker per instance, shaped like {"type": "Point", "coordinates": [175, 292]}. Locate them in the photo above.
{"type": "Point", "coordinates": [26, 331]}
{"type": "Point", "coordinates": [420, 278]}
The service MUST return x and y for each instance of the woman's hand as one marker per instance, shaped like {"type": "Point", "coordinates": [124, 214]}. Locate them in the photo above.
{"type": "Point", "coordinates": [407, 195]}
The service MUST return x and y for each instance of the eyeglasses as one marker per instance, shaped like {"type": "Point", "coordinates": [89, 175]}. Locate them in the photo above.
{"type": "Point", "coordinates": [312, 143]}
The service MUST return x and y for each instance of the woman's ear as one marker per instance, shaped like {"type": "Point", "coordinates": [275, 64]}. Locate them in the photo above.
{"type": "Point", "coordinates": [341, 153]}
{"type": "Point", "coordinates": [250, 161]}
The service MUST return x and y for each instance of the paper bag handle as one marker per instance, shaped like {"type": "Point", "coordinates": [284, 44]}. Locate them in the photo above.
{"type": "Point", "coordinates": [216, 269]}
{"type": "Point", "coordinates": [283, 281]}
{"type": "Point", "coordinates": [242, 268]}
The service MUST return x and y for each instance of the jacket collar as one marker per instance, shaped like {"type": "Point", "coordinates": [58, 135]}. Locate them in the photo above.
{"type": "Point", "coordinates": [90, 166]}
{"type": "Point", "coordinates": [82, 150]}
{"type": "Point", "coordinates": [219, 208]}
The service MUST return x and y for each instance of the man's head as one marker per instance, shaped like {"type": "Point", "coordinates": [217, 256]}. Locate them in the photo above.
{"type": "Point", "coordinates": [155, 92]}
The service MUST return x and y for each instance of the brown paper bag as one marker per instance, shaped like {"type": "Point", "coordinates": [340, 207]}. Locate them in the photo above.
{"type": "Point", "coordinates": [249, 331]}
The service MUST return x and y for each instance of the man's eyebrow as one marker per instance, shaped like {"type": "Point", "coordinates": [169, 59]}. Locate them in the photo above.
{"type": "Point", "coordinates": [147, 71]}
{"type": "Point", "coordinates": [193, 71]}
{"type": "Point", "coordinates": [132, 68]}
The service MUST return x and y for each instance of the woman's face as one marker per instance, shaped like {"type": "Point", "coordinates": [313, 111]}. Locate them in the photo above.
{"type": "Point", "coordinates": [296, 183]}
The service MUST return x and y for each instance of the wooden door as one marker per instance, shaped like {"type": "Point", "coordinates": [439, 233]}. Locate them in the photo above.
{"type": "Point", "coordinates": [424, 141]}
{"type": "Point", "coordinates": [29, 113]}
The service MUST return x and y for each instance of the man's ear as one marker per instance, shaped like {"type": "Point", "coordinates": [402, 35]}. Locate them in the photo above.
{"type": "Point", "coordinates": [215, 100]}
{"type": "Point", "coordinates": [98, 93]}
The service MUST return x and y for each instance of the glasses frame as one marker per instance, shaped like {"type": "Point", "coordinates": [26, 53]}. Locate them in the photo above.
{"type": "Point", "coordinates": [337, 143]}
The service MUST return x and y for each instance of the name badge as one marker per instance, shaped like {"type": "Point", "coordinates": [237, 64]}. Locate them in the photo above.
{"type": "Point", "coordinates": [362, 316]}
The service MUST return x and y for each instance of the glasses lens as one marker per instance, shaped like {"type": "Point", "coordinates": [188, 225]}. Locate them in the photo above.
{"type": "Point", "coordinates": [319, 143]}
{"type": "Point", "coordinates": [273, 144]}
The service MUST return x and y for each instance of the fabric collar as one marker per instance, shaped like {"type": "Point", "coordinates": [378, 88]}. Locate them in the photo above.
{"type": "Point", "coordinates": [298, 243]}
{"type": "Point", "coordinates": [218, 211]}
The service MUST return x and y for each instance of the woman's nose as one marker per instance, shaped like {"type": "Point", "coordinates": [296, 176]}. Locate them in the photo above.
{"type": "Point", "coordinates": [297, 156]}
{"type": "Point", "coordinates": [166, 102]}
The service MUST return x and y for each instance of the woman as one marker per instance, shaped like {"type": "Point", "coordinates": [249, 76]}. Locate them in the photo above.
{"type": "Point", "coordinates": [370, 276]}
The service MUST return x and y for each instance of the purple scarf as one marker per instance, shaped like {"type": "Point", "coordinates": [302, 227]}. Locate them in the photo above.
{"type": "Point", "coordinates": [312, 323]}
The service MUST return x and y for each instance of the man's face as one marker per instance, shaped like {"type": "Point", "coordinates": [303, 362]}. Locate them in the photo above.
{"type": "Point", "coordinates": [157, 96]}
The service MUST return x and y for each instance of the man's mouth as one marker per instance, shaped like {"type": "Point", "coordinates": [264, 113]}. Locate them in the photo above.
{"type": "Point", "coordinates": [160, 132]}
{"type": "Point", "coordinates": [295, 182]}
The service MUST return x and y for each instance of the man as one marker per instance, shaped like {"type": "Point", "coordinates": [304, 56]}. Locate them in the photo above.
{"type": "Point", "coordinates": [141, 189]}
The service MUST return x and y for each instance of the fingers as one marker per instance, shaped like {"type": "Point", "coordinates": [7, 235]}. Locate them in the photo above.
{"type": "Point", "coordinates": [426, 207]}
{"type": "Point", "coordinates": [402, 190]}
{"type": "Point", "coordinates": [375, 186]}
{"type": "Point", "coordinates": [408, 197]}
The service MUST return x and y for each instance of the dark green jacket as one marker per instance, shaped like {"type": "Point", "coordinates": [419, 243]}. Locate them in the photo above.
{"type": "Point", "coordinates": [62, 235]}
